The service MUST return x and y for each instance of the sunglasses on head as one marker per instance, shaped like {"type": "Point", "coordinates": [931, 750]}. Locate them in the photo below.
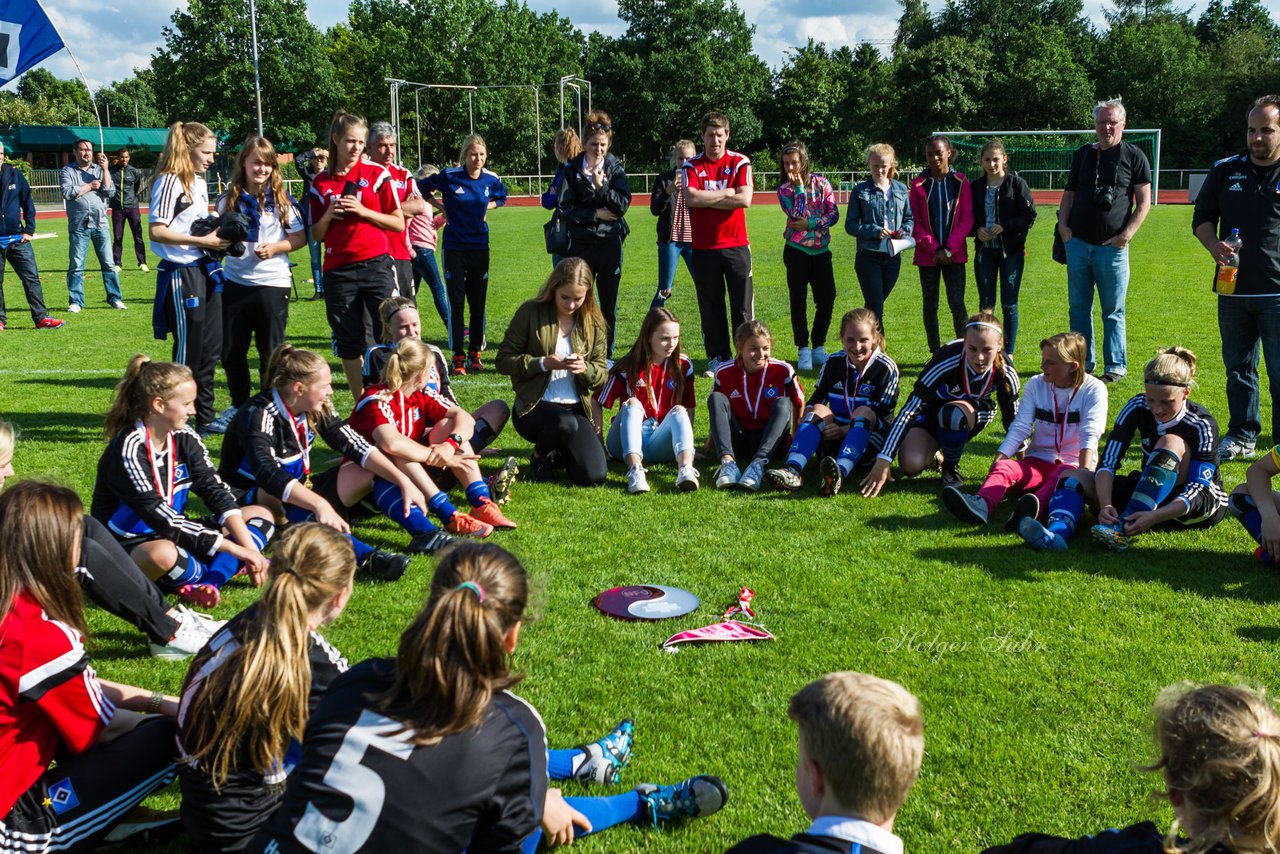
{"type": "Point", "coordinates": [599, 126]}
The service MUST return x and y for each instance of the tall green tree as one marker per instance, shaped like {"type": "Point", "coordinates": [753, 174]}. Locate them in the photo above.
{"type": "Point", "coordinates": [677, 60]}
{"type": "Point", "coordinates": [940, 86]}
{"type": "Point", "coordinates": [915, 26]}
{"type": "Point", "coordinates": [131, 101]}
{"type": "Point", "coordinates": [204, 71]}
{"type": "Point", "coordinates": [1037, 83]}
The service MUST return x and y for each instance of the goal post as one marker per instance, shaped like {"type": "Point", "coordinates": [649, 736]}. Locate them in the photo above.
{"type": "Point", "coordinates": [1043, 157]}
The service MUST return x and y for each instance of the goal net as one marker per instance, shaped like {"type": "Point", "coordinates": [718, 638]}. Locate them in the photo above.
{"type": "Point", "coordinates": [1043, 157]}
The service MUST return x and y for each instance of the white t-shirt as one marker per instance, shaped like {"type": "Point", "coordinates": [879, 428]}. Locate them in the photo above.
{"type": "Point", "coordinates": [1059, 422]}
{"type": "Point", "coordinates": [172, 206]}
{"type": "Point", "coordinates": [248, 269]}
{"type": "Point", "coordinates": [562, 388]}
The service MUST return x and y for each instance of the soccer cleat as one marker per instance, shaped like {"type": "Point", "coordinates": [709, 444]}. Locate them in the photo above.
{"type": "Point", "coordinates": [2, 326]}
{"type": "Point", "coordinates": [194, 630]}
{"type": "Point", "coordinates": [832, 477]}
{"type": "Point", "coordinates": [966, 508]}
{"type": "Point", "coordinates": [542, 468]}
{"type": "Point", "coordinates": [490, 514]}
{"type": "Point", "coordinates": [607, 757]}
{"type": "Point", "coordinates": [385, 566]}
{"type": "Point", "coordinates": [1261, 556]}
{"type": "Point", "coordinates": [1111, 536]}
{"type": "Point", "coordinates": [727, 475]}
{"type": "Point", "coordinates": [636, 481]}
{"type": "Point", "coordinates": [430, 543]}
{"type": "Point", "coordinates": [200, 595]}
{"type": "Point", "coordinates": [752, 476]}
{"type": "Point", "coordinates": [118, 304]}
{"type": "Point", "coordinates": [47, 322]}
{"type": "Point", "coordinates": [1039, 537]}
{"type": "Point", "coordinates": [1026, 505]}
{"type": "Point", "coordinates": [459, 365]}
{"type": "Point", "coordinates": [473, 363]}
{"type": "Point", "coordinates": [463, 525]}
{"type": "Point", "coordinates": [951, 477]}
{"type": "Point", "coordinates": [820, 356]}
{"type": "Point", "coordinates": [222, 423]}
{"type": "Point", "coordinates": [501, 481]}
{"type": "Point", "coordinates": [687, 479]}
{"type": "Point", "coordinates": [786, 479]}
{"type": "Point", "coordinates": [144, 268]}
{"type": "Point", "coordinates": [804, 360]}
{"type": "Point", "coordinates": [698, 796]}
{"type": "Point", "coordinates": [74, 309]}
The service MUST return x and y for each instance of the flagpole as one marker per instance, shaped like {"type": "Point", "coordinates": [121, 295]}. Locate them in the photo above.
{"type": "Point", "coordinates": [257, 83]}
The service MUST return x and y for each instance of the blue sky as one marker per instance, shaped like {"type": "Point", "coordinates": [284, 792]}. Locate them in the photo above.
{"type": "Point", "coordinates": [111, 37]}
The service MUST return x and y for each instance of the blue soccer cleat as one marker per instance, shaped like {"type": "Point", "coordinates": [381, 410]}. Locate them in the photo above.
{"type": "Point", "coordinates": [607, 757]}
{"type": "Point", "coordinates": [1111, 536]}
{"type": "Point", "coordinates": [1039, 537]}
{"type": "Point", "coordinates": [693, 798]}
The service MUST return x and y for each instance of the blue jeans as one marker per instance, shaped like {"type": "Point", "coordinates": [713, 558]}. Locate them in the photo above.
{"type": "Point", "coordinates": [668, 255]}
{"type": "Point", "coordinates": [877, 274]}
{"type": "Point", "coordinates": [78, 247]}
{"type": "Point", "coordinates": [316, 250]}
{"type": "Point", "coordinates": [1107, 268]}
{"type": "Point", "coordinates": [1247, 323]}
{"type": "Point", "coordinates": [426, 269]}
{"type": "Point", "coordinates": [658, 442]}
{"type": "Point", "coordinates": [990, 265]}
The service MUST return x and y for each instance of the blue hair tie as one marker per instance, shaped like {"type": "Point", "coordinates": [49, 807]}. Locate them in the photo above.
{"type": "Point", "coordinates": [473, 587]}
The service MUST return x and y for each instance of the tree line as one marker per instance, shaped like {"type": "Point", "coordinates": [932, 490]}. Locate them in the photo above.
{"type": "Point", "coordinates": [975, 64]}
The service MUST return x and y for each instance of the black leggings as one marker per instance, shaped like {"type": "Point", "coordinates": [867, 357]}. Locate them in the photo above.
{"type": "Point", "coordinates": [113, 580]}
{"type": "Point", "coordinates": [877, 274]}
{"type": "Point", "coordinates": [565, 428]}
{"type": "Point", "coordinates": [805, 271]}
{"type": "Point", "coordinates": [733, 440]}
{"type": "Point", "coordinates": [604, 256]}
{"type": "Point", "coordinates": [953, 277]}
{"type": "Point", "coordinates": [250, 313]}
{"type": "Point", "coordinates": [466, 279]}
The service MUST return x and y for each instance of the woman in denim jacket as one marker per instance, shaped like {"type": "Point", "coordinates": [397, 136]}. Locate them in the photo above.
{"type": "Point", "coordinates": [878, 210]}
{"type": "Point", "coordinates": [810, 206]}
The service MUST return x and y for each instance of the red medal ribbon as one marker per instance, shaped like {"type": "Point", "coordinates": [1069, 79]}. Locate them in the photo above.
{"type": "Point", "coordinates": [155, 465]}
{"type": "Point", "coordinates": [1060, 429]}
{"type": "Point", "coordinates": [746, 397]}
{"type": "Point", "coordinates": [968, 393]}
{"type": "Point", "coordinates": [301, 434]}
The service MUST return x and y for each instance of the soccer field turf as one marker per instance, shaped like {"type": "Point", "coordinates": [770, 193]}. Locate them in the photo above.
{"type": "Point", "coordinates": [1036, 671]}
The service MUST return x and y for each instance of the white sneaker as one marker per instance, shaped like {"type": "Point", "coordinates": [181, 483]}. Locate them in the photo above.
{"type": "Point", "coordinates": [820, 356]}
{"type": "Point", "coordinates": [752, 476]}
{"type": "Point", "coordinates": [193, 632]}
{"type": "Point", "coordinates": [119, 269]}
{"type": "Point", "coordinates": [687, 479]}
{"type": "Point", "coordinates": [222, 423]}
{"type": "Point", "coordinates": [118, 304]}
{"type": "Point", "coordinates": [727, 475]}
{"type": "Point", "coordinates": [713, 364]}
{"type": "Point", "coordinates": [144, 268]}
{"type": "Point", "coordinates": [805, 361]}
{"type": "Point", "coordinates": [636, 481]}
{"type": "Point", "coordinates": [73, 309]}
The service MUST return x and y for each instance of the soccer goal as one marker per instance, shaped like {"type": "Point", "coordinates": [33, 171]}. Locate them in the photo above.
{"type": "Point", "coordinates": [1043, 157]}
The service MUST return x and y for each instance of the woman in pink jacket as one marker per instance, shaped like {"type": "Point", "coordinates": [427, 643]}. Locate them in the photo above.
{"type": "Point", "coordinates": [942, 206]}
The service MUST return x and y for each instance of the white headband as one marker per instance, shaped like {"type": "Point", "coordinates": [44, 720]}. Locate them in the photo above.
{"type": "Point", "coordinates": [984, 325]}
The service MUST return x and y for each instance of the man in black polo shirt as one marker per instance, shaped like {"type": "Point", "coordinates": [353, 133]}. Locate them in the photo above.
{"type": "Point", "coordinates": [1244, 192]}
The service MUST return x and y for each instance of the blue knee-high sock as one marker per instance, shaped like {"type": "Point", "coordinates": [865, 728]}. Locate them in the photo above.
{"type": "Point", "coordinates": [1243, 508]}
{"type": "Point", "coordinates": [953, 433]}
{"type": "Point", "coordinates": [1066, 506]}
{"type": "Point", "coordinates": [363, 549]}
{"type": "Point", "coordinates": [1156, 483]}
{"type": "Point", "coordinates": [562, 763]}
{"type": "Point", "coordinates": [188, 570]}
{"type": "Point", "coordinates": [855, 445]}
{"type": "Point", "coordinates": [220, 570]}
{"type": "Point", "coordinates": [604, 813]}
{"type": "Point", "coordinates": [478, 493]}
{"type": "Point", "coordinates": [442, 507]}
{"type": "Point", "coordinates": [805, 443]}
{"type": "Point", "coordinates": [389, 500]}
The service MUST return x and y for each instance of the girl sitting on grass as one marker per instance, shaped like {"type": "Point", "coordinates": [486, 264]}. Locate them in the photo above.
{"type": "Point", "coordinates": [654, 381]}
{"type": "Point", "coordinates": [1062, 416]}
{"type": "Point", "coordinates": [755, 404]}
{"type": "Point", "coordinates": [1179, 480]}
{"type": "Point", "coordinates": [1218, 747]}
{"type": "Point", "coordinates": [1254, 503]}
{"type": "Point", "coordinates": [849, 411]}
{"type": "Point", "coordinates": [152, 462]}
{"type": "Point", "coordinates": [951, 403]}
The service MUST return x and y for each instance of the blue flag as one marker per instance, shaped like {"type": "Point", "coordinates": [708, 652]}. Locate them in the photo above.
{"type": "Point", "coordinates": [27, 37]}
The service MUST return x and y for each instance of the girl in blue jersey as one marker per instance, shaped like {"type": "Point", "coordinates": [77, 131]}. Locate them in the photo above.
{"type": "Point", "coordinates": [850, 410]}
{"type": "Point", "coordinates": [1218, 747]}
{"type": "Point", "coordinates": [449, 733]}
{"type": "Point", "coordinates": [152, 462]}
{"type": "Point", "coordinates": [468, 192]}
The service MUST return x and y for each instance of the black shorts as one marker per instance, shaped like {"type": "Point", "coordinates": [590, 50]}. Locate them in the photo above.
{"type": "Point", "coordinates": [746, 443]}
{"type": "Point", "coordinates": [325, 484]}
{"type": "Point", "coordinates": [1205, 512]}
{"type": "Point", "coordinates": [403, 269]}
{"type": "Point", "coordinates": [927, 420]}
{"type": "Point", "coordinates": [351, 291]}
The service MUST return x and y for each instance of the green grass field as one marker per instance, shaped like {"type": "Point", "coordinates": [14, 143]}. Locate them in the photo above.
{"type": "Point", "coordinates": [1036, 671]}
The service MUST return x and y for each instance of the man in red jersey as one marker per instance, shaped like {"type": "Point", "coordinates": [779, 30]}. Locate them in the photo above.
{"type": "Point", "coordinates": [382, 150]}
{"type": "Point", "coordinates": [718, 191]}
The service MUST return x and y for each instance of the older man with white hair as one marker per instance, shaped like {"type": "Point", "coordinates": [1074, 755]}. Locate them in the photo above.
{"type": "Point", "coordinates": [382, 150]}
{"type": "Point", "coordinates": [1107, 197]}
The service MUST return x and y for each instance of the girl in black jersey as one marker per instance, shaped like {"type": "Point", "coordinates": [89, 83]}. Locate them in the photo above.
{"type": "Point", "coordinates": [248, 695]}
{"type": "Point", "coordinates": [431, 752]}
{"type": "Point", "coordinates": [153, 461]}
{"type": "Point", "coordinates": [1179, 480]}
{"type": "Point", "coordinates": [953, 400]}
{"type": "Point", "coordinates": [1217, 750]}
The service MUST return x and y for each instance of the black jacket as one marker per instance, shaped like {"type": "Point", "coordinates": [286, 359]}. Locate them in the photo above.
{"type": "Point", "coordinates": [579, 200]}
{"type": "Point", "coordinates": [1238, 194]}
{"type": "Point", "coordinates": [662, 203]}
{"type": "Point", "coordinates": [1015, 210]}
{"type": "Point", "coordinates": [17, 209]}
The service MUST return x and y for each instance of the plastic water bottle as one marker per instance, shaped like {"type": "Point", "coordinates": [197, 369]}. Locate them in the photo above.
{"type": "Point", "coordinates": [1228, 271]}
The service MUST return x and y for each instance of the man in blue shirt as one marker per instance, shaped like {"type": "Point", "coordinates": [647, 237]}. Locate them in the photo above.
{"type": "Point", "coordinates": [86, 186]}
{"type": "Point", "coordinates": [17, 224]}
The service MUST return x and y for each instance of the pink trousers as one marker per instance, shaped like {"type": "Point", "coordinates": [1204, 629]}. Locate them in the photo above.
{"type": "Point", "coordinates": [1028, 475]}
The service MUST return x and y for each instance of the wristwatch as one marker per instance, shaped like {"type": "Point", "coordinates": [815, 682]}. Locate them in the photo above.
{"type": "Point", "coordinates": [456, 440]}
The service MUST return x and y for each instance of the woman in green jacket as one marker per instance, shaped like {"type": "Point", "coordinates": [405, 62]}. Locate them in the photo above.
{"type": "Point", "coordinates": [554, 352]}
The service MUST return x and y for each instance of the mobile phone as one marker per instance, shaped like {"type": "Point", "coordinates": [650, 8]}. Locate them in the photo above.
{"type": "Point", "coordinates": [351, 189]}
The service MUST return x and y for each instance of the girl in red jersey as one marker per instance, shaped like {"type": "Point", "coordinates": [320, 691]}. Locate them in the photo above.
{"type": "Point", "coordinates": [754, 406]}
{"type": "Point", "coordinates": [52, 704]}
{"type": "Point", "coordinates": [419, 429]}
{"type": "Point", "coordinates": [651, 424]}
{"type": "Point", "coordinates": [353, 207]}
